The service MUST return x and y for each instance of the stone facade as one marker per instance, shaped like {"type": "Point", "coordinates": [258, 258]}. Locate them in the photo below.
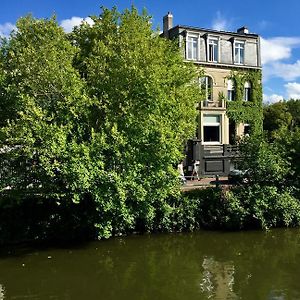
{"type": "Point", "coordinates": [219, 55]}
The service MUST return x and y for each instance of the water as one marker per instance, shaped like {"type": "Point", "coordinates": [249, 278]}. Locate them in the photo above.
{"type": "Point", "coordinates": [202, 265]}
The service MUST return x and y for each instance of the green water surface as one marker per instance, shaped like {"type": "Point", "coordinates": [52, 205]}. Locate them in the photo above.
{"type": "Point", "coordinates": [202, 265]}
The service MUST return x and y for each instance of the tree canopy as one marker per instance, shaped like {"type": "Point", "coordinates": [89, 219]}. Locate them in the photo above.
{"type": "Point", "coordinates": [99, 114]}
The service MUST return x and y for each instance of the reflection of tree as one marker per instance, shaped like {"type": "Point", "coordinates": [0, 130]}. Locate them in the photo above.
{"type": "Point", "coordinates": [248, 265]}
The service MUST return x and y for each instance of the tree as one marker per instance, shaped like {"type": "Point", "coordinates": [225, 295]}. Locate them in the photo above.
{"type": "Point", "coordinates": [101, 114]}
{"type": "Point", "coordinates": [144, 104]}
{"type": "Point", "coordinates": [294, 109]}
{"type": "Point", "coordinates": [276, 117]}
{"type": "Point", "coordinates": [265, 162]}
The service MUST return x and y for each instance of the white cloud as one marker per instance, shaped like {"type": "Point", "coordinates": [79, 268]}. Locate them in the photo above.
{"type": "Point", "coordinates": [285, 71]}
{"type": "Point", "coordinates": [274, 51]}
{"type": "Point", "coordinates": [6, 28]}
{"type": "Point", "coordinates": [69, 24]}
{"type": "Point", "coordinates": [278, 48]}
{"type": "Point", "coordinates": [272, 98]}
{"type": "Point", "coordinates": [293, 90]}
{"type": "Point", "coordinates": [220, 22]}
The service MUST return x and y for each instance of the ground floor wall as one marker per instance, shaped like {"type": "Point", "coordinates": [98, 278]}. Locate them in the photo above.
{"type": "Point", "coordinates": [211, 159]}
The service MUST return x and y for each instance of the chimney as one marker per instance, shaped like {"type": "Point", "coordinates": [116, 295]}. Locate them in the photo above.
{"type": "Point", "coordinates": [243, 30]}
{"type": "Point", "coordinates": [168, 24]}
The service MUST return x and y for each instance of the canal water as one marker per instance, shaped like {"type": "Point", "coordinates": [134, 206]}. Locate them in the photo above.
{"type": "Point", "coordinates": [202, 265]}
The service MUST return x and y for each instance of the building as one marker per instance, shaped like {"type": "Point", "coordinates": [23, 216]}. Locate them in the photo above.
{"type": "Point", "coordinates": [232, 92]}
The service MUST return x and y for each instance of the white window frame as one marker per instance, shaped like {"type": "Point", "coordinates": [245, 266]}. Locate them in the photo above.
{"type": "Point", "coordinates": [188, 37]}
{"type": "Point", "coordinates": [237, 44]}
{"type": "Point", "coordinates": [215, 41]}
{"type": "Point", "coordinates": [203, 81]}
{"type": "Point", "coordinates": [217, 124]}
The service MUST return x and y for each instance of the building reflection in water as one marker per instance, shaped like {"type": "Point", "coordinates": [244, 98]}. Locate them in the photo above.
{"type": "Point", "coordinates": [2, 292]}
{"type": "Point", "coordinates": [217, 279]}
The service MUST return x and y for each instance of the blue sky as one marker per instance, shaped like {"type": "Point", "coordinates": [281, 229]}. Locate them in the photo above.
{"type": "Point", "coordinates": [277, 22]}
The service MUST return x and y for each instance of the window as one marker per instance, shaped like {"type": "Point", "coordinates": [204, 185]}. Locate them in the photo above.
{"type": "Point", "coordinates": [247, 91]}
{"type": "Point", "coordinates": [213, 49]}
{"type": "Point", "coordinates": [239, 52]}
{"type": "Point", "coordinates": [247, 129]}
{"type": "Point", "coordinates": [230, 90]}
{"type": "Point", "coordinates": [206, 85]}
{"type": "Point", "coordinates": [192, 48]}
{"type": "Point", "coordinates": [212, 128]}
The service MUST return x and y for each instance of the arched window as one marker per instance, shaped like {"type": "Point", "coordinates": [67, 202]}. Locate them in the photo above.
{"type": "Point", "coordinates": [247, 91]}
{"type": "Point", "coordinates": [206, 84]}
{"type": "Point", "coordinates": [230, 90]}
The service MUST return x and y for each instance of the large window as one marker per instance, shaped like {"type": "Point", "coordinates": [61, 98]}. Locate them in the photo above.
{"type": "Point", "coordinates": [192, 48]}
{"type": "Point", "coordinates": [213, 49]}
{"type": "Point", "coordinates": [247, 91]}
{"type": "Point", "coordinates": [212, 129]}
{"type": "Point", "coordinates": [230, 90]}
{"type": "Point", "coordinates": [239, 52]}
{"type": "Point", "coordinates": [206, 84]}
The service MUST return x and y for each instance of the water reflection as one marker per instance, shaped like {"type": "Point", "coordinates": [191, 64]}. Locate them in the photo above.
{"type": "Point", "coordinates": [2, 292]}
{"type": "Point", "coordinates": [203, 265]}
{"type": "Point", "coordinates": [217, 279]}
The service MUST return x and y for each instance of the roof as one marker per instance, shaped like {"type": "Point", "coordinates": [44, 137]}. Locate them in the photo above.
{"type": "Point", "coordinates": [254, 35]}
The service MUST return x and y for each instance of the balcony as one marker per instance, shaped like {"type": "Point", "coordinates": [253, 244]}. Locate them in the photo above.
{"type": "Point", "coordinates": [217, 104]}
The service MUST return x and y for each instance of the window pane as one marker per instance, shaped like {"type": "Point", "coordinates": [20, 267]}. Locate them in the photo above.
{"type": "Point", "coordinates": [236, 55]}
{"type": "Point", "coordinates": [246, 129]}
{"type": "Point", "coordinates": [189, 51]}
{"type": "Point", "coordinates": [241, 56]}
{"type": "Point", "coordinates": [195, 48]}
{"type": "Point", "coordinates": [247, 92]}
{"type": "Point", "coordinates": [212, 50]}
{"type": "Point", "coordinates": [211, 119]}
{"type": "Point", "coordinates": [239, 52]}
{"type": "Point", "coordinates": [192, 48]}
{"type": "Point", "coordinates": [211, 133]}
{"type": "Point", "coordinates": [216, 52]}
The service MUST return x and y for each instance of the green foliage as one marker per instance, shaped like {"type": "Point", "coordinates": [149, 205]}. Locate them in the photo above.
{"type": "Point", "coordinates": [281, 116]}
{"type": "Point", "coordinates": [294, 109]}
{"type": "Point", "coordinates": [264, 207]}
{"type": "Point", "coordinates": [92, 128]}
{"type": "Point", "coordinates": [100, 114]}
{"type": "Point", "coordinates": [289, 144]}
{"type": "Point", "coordinates": [282, 126]}
{"type": "Point", "coordinates": [265, 162]}
{"type": "Point", "coordinates": [247, 111]}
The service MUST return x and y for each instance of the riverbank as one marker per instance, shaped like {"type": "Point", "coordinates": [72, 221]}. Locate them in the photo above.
{"type": "Point", "coordinates": [222, 208]}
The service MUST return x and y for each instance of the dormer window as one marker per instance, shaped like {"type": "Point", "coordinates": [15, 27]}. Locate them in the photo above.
{"type": "Point", "coordinates": [192, 48]}
{"type": "Point", "coordinates": [213, 49]}
{"type": "Point", "coordinates": [239, 52]}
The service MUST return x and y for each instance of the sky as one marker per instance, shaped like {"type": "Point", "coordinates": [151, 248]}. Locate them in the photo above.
{"type": "Point", "coordinates": [277, 22]}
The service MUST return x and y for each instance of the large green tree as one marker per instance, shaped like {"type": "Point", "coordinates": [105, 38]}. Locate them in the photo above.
{"type": "Point", "coordinates": [101, 114]}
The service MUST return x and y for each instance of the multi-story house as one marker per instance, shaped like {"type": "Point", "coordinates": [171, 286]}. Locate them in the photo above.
{"type": "Point", "coordinates": [231, 84]}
